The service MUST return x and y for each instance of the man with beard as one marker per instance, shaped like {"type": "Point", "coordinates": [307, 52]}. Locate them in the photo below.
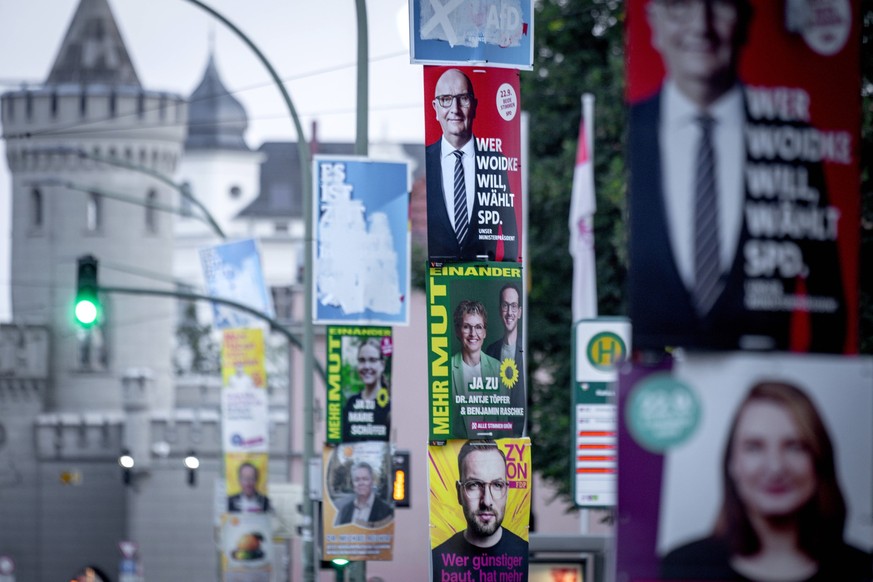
{"type": "Point", "coordinates": [485, 545]}
{"type": "Point", "coordinates": [510, 347]}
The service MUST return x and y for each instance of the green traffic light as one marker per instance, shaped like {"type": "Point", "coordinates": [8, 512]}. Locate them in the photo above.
{"type": "Point", "coordinates": [86, 312]}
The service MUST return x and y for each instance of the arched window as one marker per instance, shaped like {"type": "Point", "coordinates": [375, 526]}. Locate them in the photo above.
{"type": "Point", "coordinates": [94, 212]}
{"type": "Point", "coordinates": [151, 212]}
{"type": "Point", "coordinates": [36, 210]}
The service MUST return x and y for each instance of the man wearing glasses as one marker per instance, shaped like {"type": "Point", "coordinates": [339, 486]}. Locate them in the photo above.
{"type": "Point", "coordinates": [702, 272]}
{"type": "Point", "coordinates": [485, 545]}
{"type": "Point", "coordinates": [509, 350]}
{"type": "Point", "coordinates": [459, 226]}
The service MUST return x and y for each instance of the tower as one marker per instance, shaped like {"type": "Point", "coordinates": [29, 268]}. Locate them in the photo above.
{"type": "Point", "coordinates": [66, 204]}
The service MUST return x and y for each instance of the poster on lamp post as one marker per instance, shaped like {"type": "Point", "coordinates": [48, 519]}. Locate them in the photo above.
{"type": "Point", "coordinates": [479, 505]}
{"type": "Point", "coordinates": [362, 241]}
{"type": "Point", "coordinates": [246, 547]}
{"type": "Point", "coordinates": [358, 508]}
{"type": "Point", "coordinates": [233, 271]}
{"type": "Point", "coordinates": [496, 33]}
{"type": "Point", "coordinates": [600, 345]}
{"type": "Point", "coordinates": [476, 383]}
{"type": "Point", "coordinates": [744, 176]}
{"type": "Point", "coordinates": [358, 383]}
{"type": "Point", "coordinates": [473, 163]}
{"type": "Point", "coordinates": [738, 451]}
{"type": "Point", "coordinates": [244, 399]}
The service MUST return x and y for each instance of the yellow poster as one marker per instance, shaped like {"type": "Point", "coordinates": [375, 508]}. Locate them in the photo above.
{"type": "Point", "coordinates": [246, 476]}
{"type": "Point", "coordinates": [358, 511]}
{"type": "Point", "coordinates": [242, 358]}
{"type": "Point", "coordinates": [480, 509]}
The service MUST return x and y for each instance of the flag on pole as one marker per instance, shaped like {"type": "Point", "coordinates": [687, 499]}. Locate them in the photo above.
{"type": "Point", "coordinates": [582, 208]}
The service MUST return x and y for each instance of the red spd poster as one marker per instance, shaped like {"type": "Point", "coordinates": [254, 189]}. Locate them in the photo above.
{"type": "Point", "coordinates": [743, 156]}
{"type": "Point", "coordinates": [472, 133]}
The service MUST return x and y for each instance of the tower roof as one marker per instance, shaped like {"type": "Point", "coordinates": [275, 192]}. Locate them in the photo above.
{"type": "Point", "coordinates": [216, 120]}
{"type": "Point", "coordinates": [93, 50]}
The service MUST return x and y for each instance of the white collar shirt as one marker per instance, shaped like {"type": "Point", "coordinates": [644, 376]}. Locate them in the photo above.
{"type": "Point", "coordinates": [679, 136]}
{"type": "Point", "coordinates": [448, 167]}
{"type": "Point", "coordinates": [362, 512]}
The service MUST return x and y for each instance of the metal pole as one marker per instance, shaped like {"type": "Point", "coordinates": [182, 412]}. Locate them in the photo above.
{"type": "Point", "coordinates": [308, 352]}
{"type": "Point", "coordinates": [363, 106]}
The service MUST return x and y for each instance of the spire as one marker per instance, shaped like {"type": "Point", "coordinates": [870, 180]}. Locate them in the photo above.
{"type": "Point", "coordinates": [216, 120]}
{"type": "Point", "coordinates": [93, 50]}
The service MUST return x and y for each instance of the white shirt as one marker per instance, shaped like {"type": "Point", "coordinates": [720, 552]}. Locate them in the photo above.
{"type": "Point", "coordinates": [470, 372]}
{"type": "Point", "coordinates": [362, 512]}
{"type": "Point", "coordinates": [679, 136]}
{"type": "Point", "coordinates": [448, 166]}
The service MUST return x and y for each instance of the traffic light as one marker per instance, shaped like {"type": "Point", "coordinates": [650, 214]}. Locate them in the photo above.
{"type": "Point", "coordinates": [87, 305]}
{"type": "Point", "coordinates": [400, 492]}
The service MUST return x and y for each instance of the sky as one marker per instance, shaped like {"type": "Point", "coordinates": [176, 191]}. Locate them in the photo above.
{"type": "Point", "coordinates": [312, 45]}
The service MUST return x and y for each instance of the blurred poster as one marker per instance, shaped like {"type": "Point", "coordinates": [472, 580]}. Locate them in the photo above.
{"type": "Point", "coordinates": [358, 383]}
{"type": "Point", "coordinates": [358, 511]}
{"type": "Point", "coordinates": [476, 351]}
{"type": "Point", "coordinates": [739, 453]}
{"type": "Point", "coordinates": [246, 542]}
{"type": "Point", "coordinates": [555, 572]}
{"type": "Point", "coordinates": [244, 400]}
{"type": "Point", "coordinates": [744, 165]}
{"type": "Point", "coordinates": [601, 345]}
{"type": "Point", "coordinates": [233, 271]}
{"type": "Point", "coordinates": [246, 478]}
{"type": "Point", "coordinates": [479, 509]}
{"type": "Point", "coordinates": [473, 163]}
{"type": "Point", "coordinates": [362, 241]}
{"type": "Point", "coordinates": [497, 33]}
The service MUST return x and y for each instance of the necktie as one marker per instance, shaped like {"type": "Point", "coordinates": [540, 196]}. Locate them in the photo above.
{"type": "Point", "coordinates": [461, 221]}
{"type": "Point", "coordinates": [707, 271]}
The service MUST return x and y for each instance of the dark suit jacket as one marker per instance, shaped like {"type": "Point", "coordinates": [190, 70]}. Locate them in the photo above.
{"type": "Point", "coordinates": [234, 502]}
{"type": "Point", "coordinates": [378, 512]}
{"type": "Point", "coordinates": [441, 240]}
{"type": "Point", "coordinates": [661, 307]}
{"type": "Point", "coordinates": [517, 394]}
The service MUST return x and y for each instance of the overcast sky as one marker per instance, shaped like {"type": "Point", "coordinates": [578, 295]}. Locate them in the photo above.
{"type": "Point", "coordinates": [311, 44]}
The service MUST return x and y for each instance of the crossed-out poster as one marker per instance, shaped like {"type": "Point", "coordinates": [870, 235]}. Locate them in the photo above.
{"type": "Point", "coordinates": [476, 113]}
{"type": "Point", "coordinates": [476, 380]}
{"type": "Point", "coordinates": [233, 271]}
{"type": "Point", "coordinates": [765, 119]}
{"type": "Point", "coordinates": [358, 383]}
{"type": "Point", "coordinates": [496, 32]}
{"type": "Point", "coordinates": [361, 255]}
{"type": "Point", "coordinates": [740, 454]}
{"type": "Point", "coordinates": [358, 510]}
{"type": "Point", "coordinates": [479, 510]}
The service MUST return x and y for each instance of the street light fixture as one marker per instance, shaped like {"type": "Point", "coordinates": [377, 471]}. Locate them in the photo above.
{"type": "Point", "coordinates": [126, 461]}
{"type": "Point", "coordinates": [192, 462]}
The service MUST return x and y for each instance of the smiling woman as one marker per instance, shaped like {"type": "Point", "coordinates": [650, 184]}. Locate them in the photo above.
{"type": "Point", "coordinates": [783, 513]}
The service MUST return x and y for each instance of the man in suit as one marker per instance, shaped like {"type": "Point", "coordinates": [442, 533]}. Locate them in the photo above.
{"type": "Point", "coordinates": [703, 274]}
{"type": "Point", "coordinates": [365, 508]}
{"type": "Point", "coordinates": [457, 167]}
{"type": "Point", "coordinates": [248, 499]}
{"type": "Point", "coordinates": [511, 347]}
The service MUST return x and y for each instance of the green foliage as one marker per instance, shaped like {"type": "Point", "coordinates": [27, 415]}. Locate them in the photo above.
{"type": "Point", "coordinates": [579, 49]}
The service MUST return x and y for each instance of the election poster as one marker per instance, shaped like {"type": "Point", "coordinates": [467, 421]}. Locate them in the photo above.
{"type": "Point", "coordinates": [473, 164]}
{"type": "Point", "coordinates": [246, 482]}
{"type": "Point", "coordinates": [756, 467]}
{"type": "Point", "coordinates": [480, 496]}
{"type": "Point", "coordinates": [244, 400]}
{"type": "Point", "coordinates": [246, 548]}
{"type": "Point", "coordinates": [496, 33]}
{"type": "Point", "coordinates": [362, 241]}
{"type": "Point", "coordinates": [744, 174]}
{"type": "Point", "coordinates": [358, 383]}
{"type": "Point", "coordinates": [358, 508]}
{"type": "Point", "coordinates": [476, 351]}
{"type": "Point", "coordinates": [600, 345]}
{"type": "Point", "coordinates": [233, 271]}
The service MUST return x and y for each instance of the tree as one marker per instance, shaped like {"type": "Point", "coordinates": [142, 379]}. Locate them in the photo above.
{"type": "Point", "coordinates": [579, 49]}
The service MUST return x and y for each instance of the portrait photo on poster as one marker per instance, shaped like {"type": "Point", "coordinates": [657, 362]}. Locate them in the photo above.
{"type": "Point", "coordinates": [743, 182]}
{"type": "Point", "coordinates": [477, 352]}
{"type": "Point", "coordinates": [776, 479]}
{"type": "Point", "coordinates": [358, 480]}
{"type": "Point", "coordinates": [480, 506]}
{"type": "Point", "coordinates": [473, 163]}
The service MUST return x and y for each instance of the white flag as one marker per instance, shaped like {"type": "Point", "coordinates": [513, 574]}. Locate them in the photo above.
{"type": "Point", "coordinates": [582, 208]}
